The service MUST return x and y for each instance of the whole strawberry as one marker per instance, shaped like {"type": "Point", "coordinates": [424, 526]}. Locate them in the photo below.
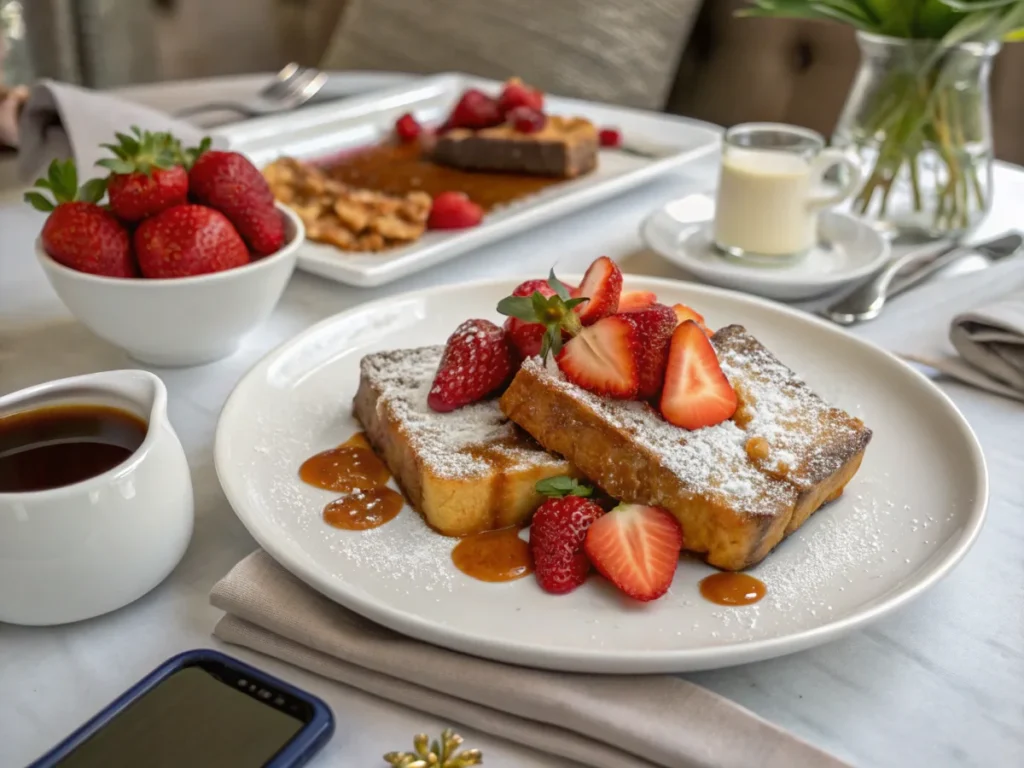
{"type": "Point", "coordinates": [540, 316]}
{"type": "Point", "coordinates": [78, 233]}
{"type": "Point", "coordinates": [234, 186]}
{"type": "Point", "coordinates": [558, 532]}
{"type": "Point", "coordinates": [146, 174]}
{"type": "Point", "coordinates": [477, 360]}
{"type": "Point", "coordinates": [188, 240]}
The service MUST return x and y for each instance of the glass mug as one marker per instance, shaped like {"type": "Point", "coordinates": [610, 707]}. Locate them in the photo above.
{"type": "Point", "coordinates": [769, 191]}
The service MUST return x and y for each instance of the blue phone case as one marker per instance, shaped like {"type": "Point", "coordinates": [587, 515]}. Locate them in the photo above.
{"type": "Point", "coordinates": [306, 743]}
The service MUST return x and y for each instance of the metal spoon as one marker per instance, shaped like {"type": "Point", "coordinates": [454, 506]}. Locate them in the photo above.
{"type": "Point", "coordinates": [866, 302]}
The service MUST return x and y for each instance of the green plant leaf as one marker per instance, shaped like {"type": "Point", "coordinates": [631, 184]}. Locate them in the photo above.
{"type": "Point", "coordinates": [521, 307]}
{"type": "Point", "coordinates": [970, 6]}
{"type": "Point", "coordinates": [38, 202]}
{"type": "Point", "coordinates": [973, 26]}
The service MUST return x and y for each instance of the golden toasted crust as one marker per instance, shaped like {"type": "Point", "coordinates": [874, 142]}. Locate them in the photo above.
{"type": "Point", "coordinates": [732, 511]}
{"type": "Point", "coordinates": [465, 471]}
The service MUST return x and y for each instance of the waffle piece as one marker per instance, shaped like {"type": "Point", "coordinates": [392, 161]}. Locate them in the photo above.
{"type": "Point", "coordinates": [465, 471]}
{"type": "Point", "coordinates": [564, 147]}
{"type": "Point", "coordinates": [733, 511]}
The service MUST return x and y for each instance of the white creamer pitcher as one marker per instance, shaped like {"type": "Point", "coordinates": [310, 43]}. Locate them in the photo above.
{"type": "Point", "coordinates": [80, 550]}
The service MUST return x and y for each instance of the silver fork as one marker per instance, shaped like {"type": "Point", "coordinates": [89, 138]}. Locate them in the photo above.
{"type": "Point", "coordinates": [292, 87]}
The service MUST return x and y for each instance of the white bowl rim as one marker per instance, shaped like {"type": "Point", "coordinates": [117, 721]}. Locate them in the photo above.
{"type": "Point", "coordinates": [264, 262]}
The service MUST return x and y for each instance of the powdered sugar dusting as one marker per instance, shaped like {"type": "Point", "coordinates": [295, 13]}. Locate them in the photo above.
{"type": "Point", "coordinates": [712, 461]}
{"type": "Point", "coordinates": [443, 441]}
{"type": "Point", "coordinates": [808, 440]}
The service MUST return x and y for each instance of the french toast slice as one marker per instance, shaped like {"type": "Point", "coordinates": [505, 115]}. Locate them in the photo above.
{"type": "Point", "coordinates": [566, 147]}
{"type": "Point", "coordinates": [732, 510]}
{"type": "Point", "coordinates": [466, 471]}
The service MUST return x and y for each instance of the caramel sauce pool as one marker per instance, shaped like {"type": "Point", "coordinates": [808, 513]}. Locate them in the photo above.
{"type": "Point", "coordinates": [351, 466]}
{"type": "Point", "coordinates": [362, 510]}
{"type": "Point", "coordinates": [732, 589]}
{"type": "Point", "coordinates": [353, 469]}
{"type": "Point", "coordinates": [493, 556]}
{"type": "Point", "coordinates": [59, 445]}
{"type": "Point", "coordinates": [400, 169]}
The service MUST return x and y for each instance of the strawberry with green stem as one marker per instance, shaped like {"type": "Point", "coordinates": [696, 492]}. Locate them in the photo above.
{"type": "Point", "coordinates": [558, 531]}
{"type": "Point", "coordinates": [79, 233]}
{"type": "Point", "coordinates": [147, 174]}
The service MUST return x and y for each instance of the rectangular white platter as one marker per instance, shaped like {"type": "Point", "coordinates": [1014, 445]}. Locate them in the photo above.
{"type": "Point", "coordinates": [322, 131]}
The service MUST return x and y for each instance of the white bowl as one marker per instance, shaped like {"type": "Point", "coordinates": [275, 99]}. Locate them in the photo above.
{"type": "Point", "coordinates": [184, 320]}
{"type": "Point", "coordinates": [80, 550]}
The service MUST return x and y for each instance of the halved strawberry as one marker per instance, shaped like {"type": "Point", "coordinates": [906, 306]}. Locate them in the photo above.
{"type": "Point", "coordinates": [517, 94]}
{"type": "Point", "coordinates": [603, 357]}
{"type": "Point", "coordinates": [601, 287]}
{"type": "Point", "coordinates": [696, 392]}
{"type": "Point", "coordinates": [540, 318]}
{"type": "Point", "coordinates": [684, 313]}
{"type": "Point", "coordinates": [631, 301]}
{"type": "Point", "coordinates": [476, 361]}
{"type": "Point", "coordinates": [636, 548]}
{"type": "Point", "coordinates": [655, 325]}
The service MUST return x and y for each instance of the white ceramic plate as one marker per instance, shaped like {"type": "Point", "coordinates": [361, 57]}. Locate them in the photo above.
{"type": "Point", "coordinates": [317, 132]}
{"type": "Point", "coordinates": [907, 518]}
{"type": "Point", "coordinates": [848, 252]}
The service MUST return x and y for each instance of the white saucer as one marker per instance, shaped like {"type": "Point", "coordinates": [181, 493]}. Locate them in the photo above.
{"type": "Point", "coordinates": [849, 251]}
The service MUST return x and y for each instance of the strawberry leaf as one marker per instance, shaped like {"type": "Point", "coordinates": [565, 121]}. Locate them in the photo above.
{"type": "Point", "coordinates": [520, 307]}
{"type": "Point", "coordinates": [38, 202]}
{"type": "Point", "coordinates": [575, 302]}
{"type": "Point", "coordinates": [562, 486]}
{"type": "Point", "coordinates": [558, 286]}
{"type": "Point", "coordinates": [93, 190]}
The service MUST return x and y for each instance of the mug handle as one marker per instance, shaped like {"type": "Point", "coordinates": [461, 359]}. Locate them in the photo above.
{"type": "Point", "coordinates": [826, 160]}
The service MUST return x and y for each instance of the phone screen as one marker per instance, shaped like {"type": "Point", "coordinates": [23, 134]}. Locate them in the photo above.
{"type": "Point", "coordinates": [205, 716]}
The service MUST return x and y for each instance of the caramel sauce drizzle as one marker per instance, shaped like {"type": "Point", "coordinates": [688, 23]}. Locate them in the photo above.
{"type": "Point", "coordinates": [732, 589]}
{"type": "Point", "coordinates": [493, 556]}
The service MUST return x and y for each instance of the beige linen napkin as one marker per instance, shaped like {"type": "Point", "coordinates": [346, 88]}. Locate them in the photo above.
{"type": "Point", "coordinates": [599, 721]}
{"type": "Point", "coordinates": [61, 121]}
{"type": "Point", "coordinates": [990, 342]}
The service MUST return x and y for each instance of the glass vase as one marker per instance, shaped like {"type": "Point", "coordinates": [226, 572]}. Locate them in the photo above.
{"type": "Point", "coordinates": [918, 118]}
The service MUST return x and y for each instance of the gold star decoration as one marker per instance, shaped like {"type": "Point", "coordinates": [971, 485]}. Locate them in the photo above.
{"type": "Point", "coordinates": [439, 754]}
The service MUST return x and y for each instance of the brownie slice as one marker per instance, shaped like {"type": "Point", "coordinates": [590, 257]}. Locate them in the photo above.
{"type": "Point", "coordinates": [564, 148]}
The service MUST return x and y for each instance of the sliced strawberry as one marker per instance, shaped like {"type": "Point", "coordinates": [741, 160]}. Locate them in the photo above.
{"type": "Point", "coordinates": [696, 393]}
{"type": "Point", "coordinates": [526, 120]}
{"type": "Point", "coordinates": [454, 210]}
{"type": "Point", "coordinates": [602, 358]}
{"type": "Point", "coordinates": [636, 548]}
{"type": "Point", "coordinates": [477, 360]}
{"type": "Point", "coordinates": [684, 313]}
{"type": "Point", "coordinates": [518, 94]}
{"type": "Point", "coordinates": [631, 301]}
{"type": "Point", "coordinates": [601, 287]}
{"type": "Point", "coordinates": [655, 325]}
{"type": "Point", "coordinates": [557, 533]}
{"type": "Point", "coordinates": [526, 337]}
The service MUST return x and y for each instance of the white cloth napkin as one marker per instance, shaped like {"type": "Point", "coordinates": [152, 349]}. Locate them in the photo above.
{"type": "Point", "coordinates": [64, 121]}
{"type": "Point", "coordinates": [598, 721]}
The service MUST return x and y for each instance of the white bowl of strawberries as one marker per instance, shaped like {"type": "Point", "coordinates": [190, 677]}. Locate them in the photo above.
{"type": "Point", "coordinates": [189, 254]}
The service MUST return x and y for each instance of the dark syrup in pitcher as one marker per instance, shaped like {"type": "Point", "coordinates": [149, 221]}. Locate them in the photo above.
{"type": "Point", "coordinates": [59, 445]}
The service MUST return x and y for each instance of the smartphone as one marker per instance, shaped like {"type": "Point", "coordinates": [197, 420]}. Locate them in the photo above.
{"type": "Point", "coordinates": [200, 709]}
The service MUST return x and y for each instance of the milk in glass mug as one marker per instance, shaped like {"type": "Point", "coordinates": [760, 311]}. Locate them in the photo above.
{"type": "Point", "coordinates": [769, 193]}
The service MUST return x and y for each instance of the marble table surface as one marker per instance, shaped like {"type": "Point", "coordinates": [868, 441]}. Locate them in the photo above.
{"type": "Point", "coordinates": [941, 683]}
